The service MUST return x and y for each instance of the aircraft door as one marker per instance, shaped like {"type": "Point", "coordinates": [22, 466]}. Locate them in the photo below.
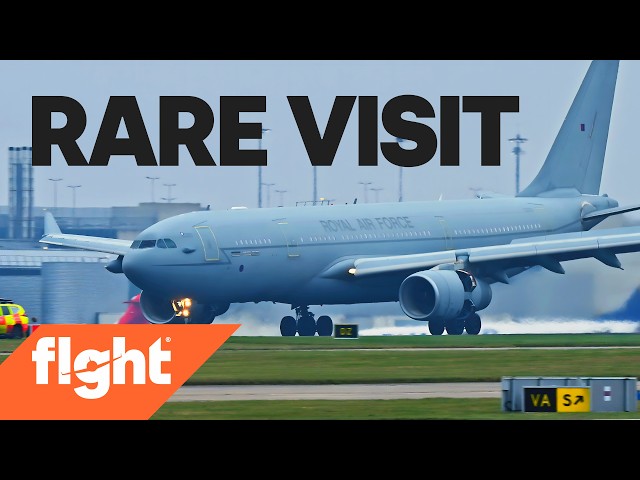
{"type": "Point", "coordinates": [448, 241]}
{"type": "Point", "coordinates": [209, 243]}
{"type": "Point", "coordinates": [290, 239]}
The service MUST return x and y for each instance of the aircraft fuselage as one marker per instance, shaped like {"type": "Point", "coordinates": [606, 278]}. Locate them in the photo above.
{"type": "Point", "coordinates": [280, 254]}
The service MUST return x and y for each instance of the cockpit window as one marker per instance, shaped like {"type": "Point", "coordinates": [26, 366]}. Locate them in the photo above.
{"type": "Point", "coordinates": [147, 244]}
{"type": "Point", "coordinates": [160, 243]}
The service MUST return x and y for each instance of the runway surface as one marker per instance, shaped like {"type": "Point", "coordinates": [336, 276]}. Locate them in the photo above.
{"type": "Point", "coordinates": [337, 392]}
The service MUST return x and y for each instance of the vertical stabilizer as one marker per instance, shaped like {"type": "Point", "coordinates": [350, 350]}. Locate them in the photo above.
{"type": "Point", "coordinates": [577, 154]}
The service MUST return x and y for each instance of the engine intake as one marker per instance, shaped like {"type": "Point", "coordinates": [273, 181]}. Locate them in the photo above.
{"type": "Point", "coordinates": [156, 309]}
{"type": "Point", "coordinates": [442, 294]}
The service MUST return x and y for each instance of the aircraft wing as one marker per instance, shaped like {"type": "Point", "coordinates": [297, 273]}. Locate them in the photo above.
{"type": "Point", "coordinates": [547, 251]}
{"type": "Point", "coordinates": [53, 236]}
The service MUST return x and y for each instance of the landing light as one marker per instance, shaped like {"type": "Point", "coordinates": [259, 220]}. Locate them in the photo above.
{"type": "Point", "coordinates": [352, 271]}
{"type": "Point", "coordinates": [181, 307]}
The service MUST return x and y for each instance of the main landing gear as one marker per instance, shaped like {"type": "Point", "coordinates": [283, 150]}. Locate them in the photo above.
{"type": "Point", "coordinates": [305, 325]}
{"type": "Point", "coordinates": [468, 321]}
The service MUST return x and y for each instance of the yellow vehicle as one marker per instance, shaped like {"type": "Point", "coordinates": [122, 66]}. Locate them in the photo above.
{"type": "Point", "coordinates": [14, 322]}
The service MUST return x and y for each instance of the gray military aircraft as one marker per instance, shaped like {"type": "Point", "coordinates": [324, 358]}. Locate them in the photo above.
{"type": "Point", "coordinates": [437, 259]}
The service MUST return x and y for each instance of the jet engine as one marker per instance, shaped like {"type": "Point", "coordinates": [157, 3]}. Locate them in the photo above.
{"type": "Point", "coordinates": [442, 294]}
{"type": "Point", "coordinates": [157, 310]}
{"type": "Point", "coordinates": [183, 310]}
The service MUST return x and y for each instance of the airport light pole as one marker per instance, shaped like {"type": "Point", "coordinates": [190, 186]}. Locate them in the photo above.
{"type": "Point", "coordinates": [517, 151]}
{"type": "Point", "coordinates": [55, 193]}
{"type": "Point", "coordinates": [268, 185]}
{"type": "Point", "coordinates": [281, 193]}
{"type": "Point", "coordinates": [169, 198]}
{"type": "Point", "coordinates": [376, 190]}
{"type": "Point", "coordinates": [73, 188]}
{"type": "Point", "coordinates": [366, 190]}
{"type": "Point", "coordinates": [400, 140]}
{"type": "Point", "coordinates": [315, 184]}
{"type": "Point", "coordinates": [264, 130]}
{"type": "Point", "coordinates": [153, 181]}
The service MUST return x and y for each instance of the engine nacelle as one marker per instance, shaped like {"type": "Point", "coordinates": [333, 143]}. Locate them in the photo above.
{"type": "Point", "coordinates": [161, 310]}
{"type": "Point", "coordinates": [442, 294]}
{"type": "Point", "coordinates": [481, 295]}
{"type": "Point", "coordinates": [157, 309]}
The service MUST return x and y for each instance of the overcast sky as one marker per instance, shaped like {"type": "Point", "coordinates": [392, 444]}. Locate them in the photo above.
{"type": "Point", "coordinates": [546, 89]}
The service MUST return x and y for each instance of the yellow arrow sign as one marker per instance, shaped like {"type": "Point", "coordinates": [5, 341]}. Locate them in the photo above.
{"type": "Point", "coordinates": [573, 399]}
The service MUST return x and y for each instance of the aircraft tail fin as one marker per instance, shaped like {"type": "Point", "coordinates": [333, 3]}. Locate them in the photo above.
{"type": "Point", "coordinates": [576, 157]}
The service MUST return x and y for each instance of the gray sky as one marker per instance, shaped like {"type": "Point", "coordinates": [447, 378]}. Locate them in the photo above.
{"type": "Point", "coordinates": [546, 89]}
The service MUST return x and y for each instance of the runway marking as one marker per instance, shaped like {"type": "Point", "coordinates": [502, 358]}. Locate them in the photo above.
{"type": "Point", "coordinates": [421, 349]}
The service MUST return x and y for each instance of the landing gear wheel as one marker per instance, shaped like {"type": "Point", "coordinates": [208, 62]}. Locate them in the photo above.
{"type": "Point", "coordinates": [436, 327]}
{"type": "Point", "coordinates": [306, 326]}
{"type": "Point", "coordinates": [473, 324]}
{"type": "Point", "coordinates": [455, 326]}
{"type": "Point", "coordinates": [17, 331]}
{"type": "Point", "coordinates": [288, 327]}
{"type": "Point", "coordinates": [324, 326]}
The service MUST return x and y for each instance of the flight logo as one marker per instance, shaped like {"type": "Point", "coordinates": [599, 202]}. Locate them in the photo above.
{"type": "Point", "coordinates": [104, 372]}
{"type": "Point", "coordinates": [98, 370]}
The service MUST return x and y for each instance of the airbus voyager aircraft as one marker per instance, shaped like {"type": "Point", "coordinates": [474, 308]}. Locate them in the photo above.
{"type": "Point", "coordinates": [437, 259]}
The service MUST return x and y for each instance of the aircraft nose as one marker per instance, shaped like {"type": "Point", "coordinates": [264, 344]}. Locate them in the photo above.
{"type": "Point", "coordinates": [133, 268]}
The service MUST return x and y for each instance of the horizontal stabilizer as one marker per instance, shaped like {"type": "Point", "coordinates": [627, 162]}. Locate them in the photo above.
{"type": "Point", "coordinates": [602, 214]}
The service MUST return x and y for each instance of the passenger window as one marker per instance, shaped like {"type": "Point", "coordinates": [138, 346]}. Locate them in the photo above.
{"type": "Point", "coordinates": [136, 244]}
{"type": "Point", "coordinates": [170, 243]}
{"type": "Point", "coordinates": [5, 310]}
{"type": "Point", "coordinates": [160, 243]}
